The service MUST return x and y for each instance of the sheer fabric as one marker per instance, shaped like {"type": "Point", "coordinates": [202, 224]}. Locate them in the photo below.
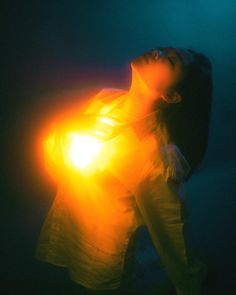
{"type": "Point", "coordinates": [91, 221]}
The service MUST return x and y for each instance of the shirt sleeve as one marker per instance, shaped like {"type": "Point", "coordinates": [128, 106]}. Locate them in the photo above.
{"type": "Point", "coordinates": [163, 212]}
{"type": "Point", "coordinates": [54, 151]}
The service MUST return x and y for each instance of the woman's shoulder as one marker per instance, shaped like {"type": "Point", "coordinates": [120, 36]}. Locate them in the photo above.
{"type": "Point", "coordinates": [109, 95]}
{"type": "Point", "coordinates": [104, 100]}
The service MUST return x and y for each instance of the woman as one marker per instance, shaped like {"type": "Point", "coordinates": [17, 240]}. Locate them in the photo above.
{"type": "Point", "coordinates": [162, 135]}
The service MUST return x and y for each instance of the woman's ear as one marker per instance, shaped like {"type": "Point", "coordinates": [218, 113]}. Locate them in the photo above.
{"type": "Point", "coordinates": [173, 97]}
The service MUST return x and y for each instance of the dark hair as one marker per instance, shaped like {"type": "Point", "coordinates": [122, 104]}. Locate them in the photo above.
{"type": "Point", "coordinates": [187, 122]}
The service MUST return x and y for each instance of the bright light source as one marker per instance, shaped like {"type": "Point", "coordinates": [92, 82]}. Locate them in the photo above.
{"type": "Point", "coordinates": [83, 150]}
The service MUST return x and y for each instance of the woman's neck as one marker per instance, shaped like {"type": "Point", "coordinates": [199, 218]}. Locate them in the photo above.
{"type": "Point", "coordinates": [139, 101]}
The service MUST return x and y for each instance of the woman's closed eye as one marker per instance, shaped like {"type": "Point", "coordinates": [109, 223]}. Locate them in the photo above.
{"type": "Point", "coordinates": [171, 60]}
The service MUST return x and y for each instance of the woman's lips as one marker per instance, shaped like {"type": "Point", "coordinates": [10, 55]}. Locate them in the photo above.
{"type": "Point", "coordinates": [153, 55]}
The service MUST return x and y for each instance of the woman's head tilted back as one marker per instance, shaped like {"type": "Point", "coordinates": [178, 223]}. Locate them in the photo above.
{"type": "Point", "coordinates": [181, 80]}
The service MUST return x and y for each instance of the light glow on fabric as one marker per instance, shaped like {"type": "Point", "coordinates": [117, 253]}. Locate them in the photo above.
{"type": "Point", "coordinates": [93, 146]}
{"type": "Point", "coordinates": [82, 150]}
{"type": "Point", "coordinates": [85, 146]}
{"type": "Point", "coordinates": [107, 121]}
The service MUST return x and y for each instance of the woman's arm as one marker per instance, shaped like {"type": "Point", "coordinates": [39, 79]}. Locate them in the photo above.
{"type": "Point", "coordinates": [161, 204]}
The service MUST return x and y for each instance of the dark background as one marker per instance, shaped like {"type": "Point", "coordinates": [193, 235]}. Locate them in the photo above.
{"type": "Point", "coordinates": [55, 53]}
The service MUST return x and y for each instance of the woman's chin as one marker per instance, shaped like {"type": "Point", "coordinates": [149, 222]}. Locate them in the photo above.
{"type": "Point", "coordinates": [139, 61]}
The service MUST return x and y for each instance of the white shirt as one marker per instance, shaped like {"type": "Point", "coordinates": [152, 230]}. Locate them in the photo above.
{"type": "Point", "coordinates": [90, 223]}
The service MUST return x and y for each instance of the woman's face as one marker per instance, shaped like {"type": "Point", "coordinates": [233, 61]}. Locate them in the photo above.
{"type": "Point", "coordinates": [162, 69]}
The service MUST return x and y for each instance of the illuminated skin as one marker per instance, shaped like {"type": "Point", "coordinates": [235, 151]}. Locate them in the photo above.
{"type": "Point", "coordinates": [154, 77]}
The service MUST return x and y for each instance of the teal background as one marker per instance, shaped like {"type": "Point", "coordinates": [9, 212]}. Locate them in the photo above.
{"type": "Point", "coordinates": [51, 49]}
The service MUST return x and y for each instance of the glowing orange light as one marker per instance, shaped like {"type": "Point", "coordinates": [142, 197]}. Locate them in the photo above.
{"type": "Point", "coordinates": [82, 150]}
{"type": "Point", "coordinates": [88, 146]}
{"type": "Point", "coordinates": [107, 121]}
